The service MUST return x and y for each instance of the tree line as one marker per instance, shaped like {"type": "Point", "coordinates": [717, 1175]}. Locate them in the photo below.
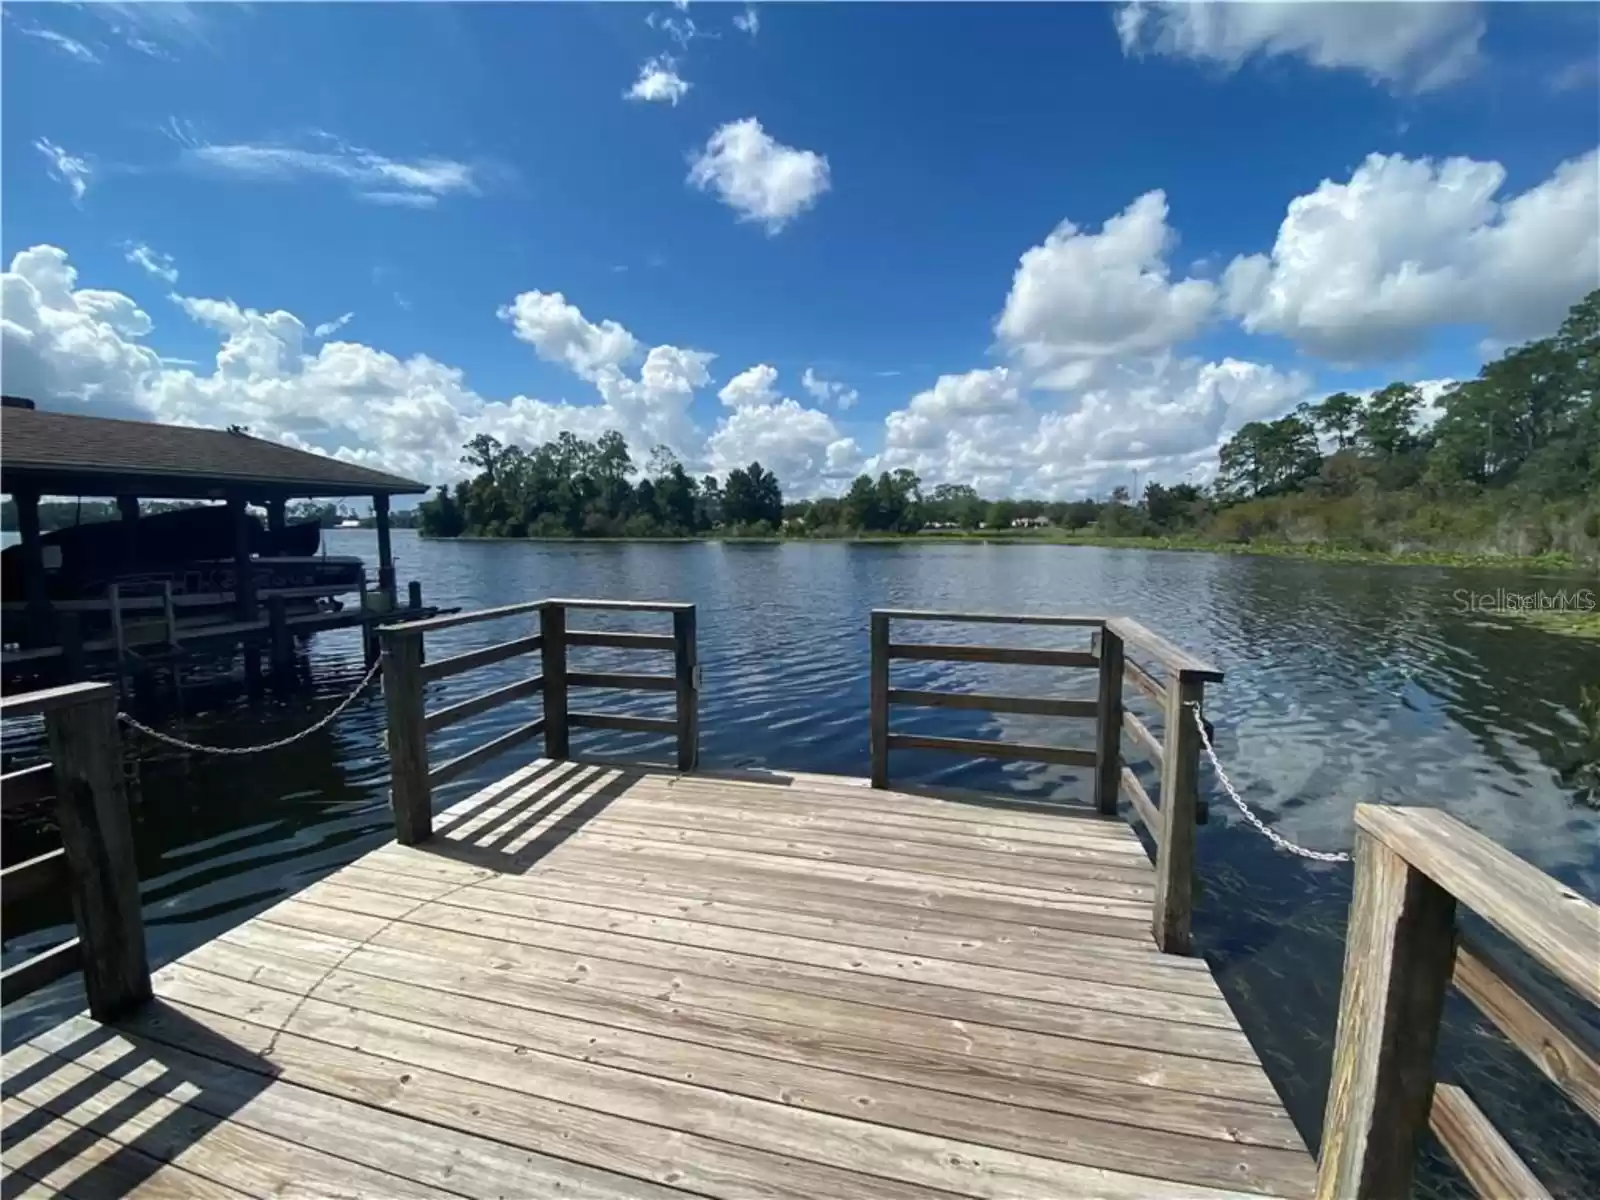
{"type": "Point", "coordinates": [1522, 438]}
{"type": "Point", "coordinates": [1513, 456]}
{"type": "Point", "coordinates": [571, 487]}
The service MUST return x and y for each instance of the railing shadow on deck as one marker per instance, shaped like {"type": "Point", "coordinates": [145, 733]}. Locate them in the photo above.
{"type": "Point", "coordinates": [511, 826]}
{"type": "Point", "coordinates": [125, 1103]}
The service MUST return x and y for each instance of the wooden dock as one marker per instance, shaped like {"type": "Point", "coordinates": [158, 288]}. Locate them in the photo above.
{"type": "Point", "coordinates": [597, 980]}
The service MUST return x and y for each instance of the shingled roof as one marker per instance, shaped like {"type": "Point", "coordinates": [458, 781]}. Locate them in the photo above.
{"type": "Point", "coordinates": [67, 454]}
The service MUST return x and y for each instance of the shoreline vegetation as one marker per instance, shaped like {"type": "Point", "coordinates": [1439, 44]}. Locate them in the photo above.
{"type": "Point", "coordinates": [1309, 551]}
{"type": "Point", "coordinates": [1503, 471]}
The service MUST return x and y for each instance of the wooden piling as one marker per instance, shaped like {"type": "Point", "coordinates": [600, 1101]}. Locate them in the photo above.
{"type": "Point", "coordinates": [686, 674]}
{"type": "Point", "coordinates": [1180, 773]}
{"type": "Point", "coordinates": [878, 700]}
{"type": "Point", "coordinates": [1108, 734]}
{"type": "Point", "coordinates": [279, 637]}
{"type": "Point", "coordinates": [409, 793]}
{"type": "Point", "coordinates": [1398, 955]}
{"type": "Point", "coordinates": [97, 837]}
{"type": "Point", "coordinates": [553, 657]}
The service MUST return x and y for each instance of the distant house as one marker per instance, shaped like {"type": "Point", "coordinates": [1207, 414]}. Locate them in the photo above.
{"type": "Point", "coordinates": [1030, 523]}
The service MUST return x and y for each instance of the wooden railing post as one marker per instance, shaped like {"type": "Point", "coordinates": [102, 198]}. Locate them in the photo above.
{"type": "Point", "coordinates": [878, 712]}
{"type": "Point", "coordinates": [97, 837]}
{"type": "Point", "coordinates": [409, 793]}
{"type": "Point", "coordinates": [1108, 735]}
{"type": "Point", "coordinates": [281, 639]}
{"type": "Point", "coordinates": [686, 671]}
{"type": "Point", "coordinates": [553, 656]}
{"type": "Point", "coordinates": [1399, 952]}
{"type": "Point", "coordinates": [1180, 774]}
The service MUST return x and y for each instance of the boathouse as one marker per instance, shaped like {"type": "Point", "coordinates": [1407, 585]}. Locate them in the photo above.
{"type": "Point", "coordinates": [67, 454]}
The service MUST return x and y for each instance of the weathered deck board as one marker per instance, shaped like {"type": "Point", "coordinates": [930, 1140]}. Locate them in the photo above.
{"type": "Point", "coordinates": [601, 982]}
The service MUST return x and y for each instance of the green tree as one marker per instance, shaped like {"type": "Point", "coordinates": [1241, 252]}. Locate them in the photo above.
{"type": "Point", "coordinates": [861, 504]}
{"type": "Point", "coordinates": [1386, 426]}
{"type": "Point", "coordinates": [752, 497]}
{"type": "Point", "coordinates": [1337, 416]}
{"type": "Point", "coordinates": [441, 516]}
{"type": "Point", "coordinates": [1268, 456]}
{"type": "Point", "coordinates": [1529, 416]}
{"type": "Point", "coordinates": [956, 504]}
{"type": "Point", "coordinates": [899, 497]}
{"type": "Point", "coordinates": [484, 452]}
{"type": "Point", "coordinates": [1000, 515]}
{"type": "Point", "coordinates": [1177, 507]}
{"type": "Point", "coordinates": [708, 508]}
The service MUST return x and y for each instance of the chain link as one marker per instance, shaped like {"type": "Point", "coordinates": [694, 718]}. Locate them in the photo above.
{"type": "Point", "coordinates": [1266, 831]}
{"type": "Point", "coordinates": [243, 750]}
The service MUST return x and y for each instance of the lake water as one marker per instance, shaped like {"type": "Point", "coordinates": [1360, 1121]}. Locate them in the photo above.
{"type": "Point", "coordinates": [1344, 684]}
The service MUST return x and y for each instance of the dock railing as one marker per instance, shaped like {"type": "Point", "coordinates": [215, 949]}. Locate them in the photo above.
{"type": "Point", "coordinates": [1413, 868]}
{"type": "Point", "coordinates": [406, 674]}
{"type": "Point", "coordinates": [1175, 682]}
{"type": "Point", "coordinates": [96, 861]}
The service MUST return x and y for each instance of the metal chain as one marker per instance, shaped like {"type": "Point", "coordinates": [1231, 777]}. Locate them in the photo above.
{"type": "Point", "coordinates": [1266, 831]}
{"type": "Point", "coordinates": [277, 745]}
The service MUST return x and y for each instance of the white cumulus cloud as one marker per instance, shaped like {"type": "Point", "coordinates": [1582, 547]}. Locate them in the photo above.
{"type": "Point", "coordinates": [659, 82]}
{"type": "Point", "coordinates": [70, 346]}
{"type": "Point", "coordinates": [753, 386]}
{"type": "Point", "coordinates": [1161, 415]}
{"type": "Point", "coordinates": [759, 178]}
{"type": "Point", "coordinates": [560, 333]}
{"type": "Point", "coordinates": [1409, 46]}
{"type": "Point", "coordinates": [1362, 270]}
{"type": "Point", "coordinates": [801, 445]}
{"type": "Point", "coordinates": [749, 21]}
{"type": "Point", "coordinates": [1084, 296]}
{"type": "Point", "coordinates": [65, 343]}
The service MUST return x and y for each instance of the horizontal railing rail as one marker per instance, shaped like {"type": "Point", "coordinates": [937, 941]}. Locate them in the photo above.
{"type": "Point", "coordinates": [1414, 867]}
{"type": "Point", "coordinates": [522, 689]}
{"type": "Point", "coordinates": [95, 864]}
{"type": "Point", "coordinates": [884, 650]}
{"type": "Point", "coordinates": [1175, 755]}
{"type": "Point", "coordinates": [471, 660]}
{"type": "Point", "coordinates": [405, 676]}
{"type": "Point", "coordinates": [30, 785]}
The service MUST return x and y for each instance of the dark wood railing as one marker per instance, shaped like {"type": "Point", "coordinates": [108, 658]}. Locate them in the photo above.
{"type": "Point", "coordinates": [96, 862]}
{"type": "Point", "coordinates": [406, 674]}
{"type": "Point", "coordinates": [1116, 640]}
{"type": "Point", "coordinates": [1413, 868]}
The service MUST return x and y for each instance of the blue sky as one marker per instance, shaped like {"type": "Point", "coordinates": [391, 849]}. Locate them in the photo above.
{"type": "Point", "coordinates": [862, 196]}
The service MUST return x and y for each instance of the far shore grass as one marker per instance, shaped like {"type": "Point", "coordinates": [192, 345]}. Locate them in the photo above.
{"type": "Point", "coordinates": [1311, 551]}
{"type": "Point", "coordinates": [1566, 622]}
